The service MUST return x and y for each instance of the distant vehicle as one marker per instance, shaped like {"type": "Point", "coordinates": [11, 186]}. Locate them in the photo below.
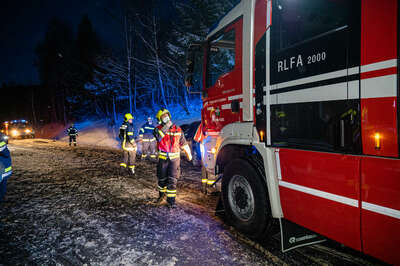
{"type": "Point", "coordinates": [19, 129]}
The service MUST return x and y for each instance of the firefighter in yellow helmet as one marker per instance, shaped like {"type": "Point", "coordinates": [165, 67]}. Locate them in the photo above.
{"type": "Point", "coordinates": [128, 144]}
{"type": "Point", "coordinates": [170, 140]}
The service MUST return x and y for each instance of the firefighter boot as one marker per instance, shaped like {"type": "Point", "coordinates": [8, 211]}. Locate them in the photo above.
{"type": "Point", "coordinates": [161, 197]}
{"type": "Point", "coordinates": [171, 202]}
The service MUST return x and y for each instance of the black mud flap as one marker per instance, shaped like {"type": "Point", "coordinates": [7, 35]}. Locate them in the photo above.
{"type": "Point", "coordinates": [219, 210]}
{"type": "Point", "coordinates": [294, 236]}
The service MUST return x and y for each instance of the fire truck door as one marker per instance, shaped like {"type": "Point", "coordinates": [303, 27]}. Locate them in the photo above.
{"type": "Point", "coordinates": [223, 78]}
{"type": "Point", "coordinates": [380, 165]}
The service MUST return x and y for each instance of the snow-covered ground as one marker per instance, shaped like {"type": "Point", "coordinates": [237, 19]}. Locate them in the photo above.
{"type": "Point", "coordinates": [73, 206]}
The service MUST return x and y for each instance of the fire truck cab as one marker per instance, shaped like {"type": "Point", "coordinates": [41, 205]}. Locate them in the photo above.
{"type": "Point", "coordinates": [300, 118]}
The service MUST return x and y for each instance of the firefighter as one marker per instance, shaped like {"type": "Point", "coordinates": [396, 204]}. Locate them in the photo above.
{"type": "Point", "coordinates": [128, 144]}
{"type": "Point", "coordinates": [199, 137]}
{"type": "Point", "coordinates": [72, 133]}
{"type": "Point", "coordinates": [5, 167]}
{"type": "Point", "coordinates": [170, 139]}
{"type": "Point", "coordinates": [148, 141]}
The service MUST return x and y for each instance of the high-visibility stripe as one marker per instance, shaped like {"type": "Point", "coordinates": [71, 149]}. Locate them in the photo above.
{"type": "Point", "coordinates": [8, 169]}
{"type": "Point", "coordinates": [171, 195]}
{"type": "Point", "coordinates": [149, 140]}
{"type": "Point", "coordinates": [3, 148]}
{"type": "Point", "coordinates": [131, 166]}
{"type": "Point", "coordinates": [387, 87]}
{"type": "Point", "coordinates": [379, 65]}
{"type": "Point", "coordinates": [210, 182]}
{"type": "Point", "coordinates": [204, 180]}
{"type": "Point", "coordinates": [171, 191]}
{"type": "Point", "coordinates": [162, 189]}
{"type": "Point", "coordinates": [150, 128]}
{"type": "Point", "coordinates": [130, 133]}
{"type": "Point", "coordinates": [174, 133]}
{"type": "Point", "coordinates": [142, 130]}
{"type": "Point", "coordinates": [122, 164]}
{"type": "Point", "coordinates": [170, 155]}
{"type": "Point", "coordinates": [144, 155]}
{"type": "Point", "coordinates": [380, 209]}
{"type": "Point", "coordinates": [130, 149]}
{"type": "Point", "coordinates": [6, 174]}
{"type": "Point", "coordinates": [153, 156]}
{"type": "Point", "coordinates": [2, 144]}
{"type": "Point", "coordinates": [319, 193]}
{"type": "Point", "coordinates": [161, 133]}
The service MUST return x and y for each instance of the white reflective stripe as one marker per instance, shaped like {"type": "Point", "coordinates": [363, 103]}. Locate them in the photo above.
{"type": "Point", "coordinates": [379, 65]}
{"type": "Point", "coordinates": [319, 193]}
{"type": "Point", "coordinates": [235, 97]}
{"type": "Point", "coordinates": [278, 164]}
{"type": "Point", "coordinates": [381, 210]}
{"type": "Point", "coordinates": [3, 148]}
{"type": "Point", "coordinates": [353, 70]}
{"type": "Point", "coordinates": [226, 106]}
{"type": "Point", "coordinates": [330, 75]}
{"type": "Point", "coordinates": [378, 87]}
{"type": "Point", "coordinates": [353, 89]}
{"type": "Point", "coordinates": [331, 92]}
{"type": "Point", "coordinates": [6, 174]}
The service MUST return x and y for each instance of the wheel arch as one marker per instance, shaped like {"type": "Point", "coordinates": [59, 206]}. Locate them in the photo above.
{"type": "Point", "coordinates": [263, 161]}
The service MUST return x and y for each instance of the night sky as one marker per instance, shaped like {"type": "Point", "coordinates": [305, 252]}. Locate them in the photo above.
{"type": "Point", "coordinates": [23, 24]}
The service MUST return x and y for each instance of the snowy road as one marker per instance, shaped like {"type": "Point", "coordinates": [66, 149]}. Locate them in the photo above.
{"type": "Point", "coordinates": [72, 206]}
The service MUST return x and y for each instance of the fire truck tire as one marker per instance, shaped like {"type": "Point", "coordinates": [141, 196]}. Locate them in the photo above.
{"type": "Point", "coordinates": [245, 199]}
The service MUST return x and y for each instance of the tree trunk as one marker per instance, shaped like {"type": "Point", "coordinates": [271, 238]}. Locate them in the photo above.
{"type": "Point", "coordinates": [33, 108]}
{"type": "Point", "coordinates": [158, 63]}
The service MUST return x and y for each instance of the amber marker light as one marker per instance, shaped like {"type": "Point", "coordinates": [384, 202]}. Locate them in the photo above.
{"type": "Point", "coordinates": [262, 135]}
{"type": "Point", "coordinates": [377, 138]}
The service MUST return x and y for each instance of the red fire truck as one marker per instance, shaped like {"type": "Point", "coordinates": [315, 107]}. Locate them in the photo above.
{"type": "Point", "coordinates": [300, 119]}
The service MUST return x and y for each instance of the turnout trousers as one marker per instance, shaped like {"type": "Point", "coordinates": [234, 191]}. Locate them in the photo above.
{"type": "Point", "coordinates": [149, 147]}
{"type": "Point", "coordinates": [72, 139]}
{"type": "Point", "coordinates": [168, 172]}
{"type": "Point", "coordinates": [129, 157]}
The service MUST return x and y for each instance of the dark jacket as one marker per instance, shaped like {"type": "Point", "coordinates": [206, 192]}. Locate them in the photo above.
{"type": "Point", "coordinates": [127, 135]}
{"type": "Point", "coordinates": [146, 131]}
{"type": "Point", "coordinates": [5, 162]}
{"type": "Point", "coordinates": [72, 131]}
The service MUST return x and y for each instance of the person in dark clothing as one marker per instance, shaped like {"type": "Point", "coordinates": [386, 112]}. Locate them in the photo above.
{"type": "Point", "coordinates": [128, 144]}
{"type": "Point", "coordinates": [72, 133]}
{"type": "Point", "coordinates": [148, 141]}
{"type": "Point", "coordinates": [171, 140]}
{"type": "Point", "coordinates": [5, 167]}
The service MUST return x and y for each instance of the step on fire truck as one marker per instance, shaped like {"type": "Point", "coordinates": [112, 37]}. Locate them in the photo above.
{"type": "Point", "coordinates": [300, 119]}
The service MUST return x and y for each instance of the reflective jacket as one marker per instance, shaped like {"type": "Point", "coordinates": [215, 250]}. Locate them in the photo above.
{"type": "Point", "coordinates": [5, 162]}
{"type": "Point", "coordinates": [72, 131]}
{"type": "Point", "coordinates": [146, 132]}
{"type": "Point", "coordinates": [127, 136]}
{"type": "Point", "coordinates": [169, 142]}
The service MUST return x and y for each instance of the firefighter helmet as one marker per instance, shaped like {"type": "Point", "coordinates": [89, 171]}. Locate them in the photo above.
{"type": "Point", "coordinates": [127, 117]}
{"type": "Point", "coordinates": [162, 112]}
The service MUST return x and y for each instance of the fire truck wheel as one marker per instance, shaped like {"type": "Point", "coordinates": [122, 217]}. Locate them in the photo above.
{"type": "Point", "coordinates": [245, 199]}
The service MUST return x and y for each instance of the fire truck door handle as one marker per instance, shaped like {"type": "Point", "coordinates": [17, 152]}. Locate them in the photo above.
{"type": "Point", "coordinates": [342, 132]}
